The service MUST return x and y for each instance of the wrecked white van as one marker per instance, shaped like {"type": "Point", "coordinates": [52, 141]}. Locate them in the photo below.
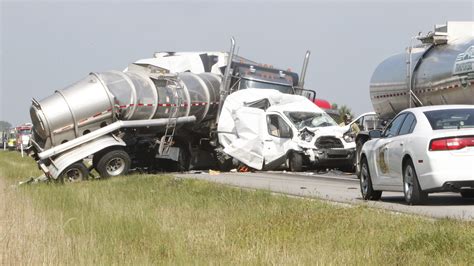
{"type": "Point", "coordinates": [268, 130]}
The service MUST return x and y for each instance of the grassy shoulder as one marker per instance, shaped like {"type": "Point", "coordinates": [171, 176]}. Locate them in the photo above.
{"type": "Point", "coordinates": [145, 219]}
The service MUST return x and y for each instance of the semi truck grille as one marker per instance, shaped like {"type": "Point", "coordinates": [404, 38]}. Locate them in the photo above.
{"type": "Point", "coordinates": [328, 143]}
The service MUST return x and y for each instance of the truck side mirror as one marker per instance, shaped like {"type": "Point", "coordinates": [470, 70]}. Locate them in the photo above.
{"type": "Point", "coordinates": [375, 134]}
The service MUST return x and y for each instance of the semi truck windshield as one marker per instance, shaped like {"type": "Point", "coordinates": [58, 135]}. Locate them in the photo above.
{"type": "Point", "coordinates": [255, 84]}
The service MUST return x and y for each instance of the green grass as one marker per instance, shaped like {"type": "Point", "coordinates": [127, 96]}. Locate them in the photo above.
{"type": "Point", "coordinates": [163, 220]}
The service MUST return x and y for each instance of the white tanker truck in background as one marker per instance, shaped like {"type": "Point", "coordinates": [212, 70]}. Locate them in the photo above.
{"type": "Point", "coordinates": [159, 109]}
{"type": "Point", "coordinates": [437, 71]}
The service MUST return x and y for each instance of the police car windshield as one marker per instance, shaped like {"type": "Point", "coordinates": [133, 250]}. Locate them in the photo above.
{"type": "Point", "coordinates": [451, 118]}
{"type": "Point", "coordinates": [309, 119]}
{"type": "Point", "coordinates": [256, 84]}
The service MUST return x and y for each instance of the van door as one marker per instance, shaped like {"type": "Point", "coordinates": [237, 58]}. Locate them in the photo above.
{"type": "Point", "coordinates": [277, 141]}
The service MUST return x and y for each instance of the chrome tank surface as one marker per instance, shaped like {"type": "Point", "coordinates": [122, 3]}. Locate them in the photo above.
{"type": "Point", "coordinates": [440, 74]}
{"type": "Point", "coordinates": [102, 98]}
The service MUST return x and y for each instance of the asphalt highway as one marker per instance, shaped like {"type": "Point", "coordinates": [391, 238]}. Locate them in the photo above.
{"type": "Point", "coordinates": [342, 188]}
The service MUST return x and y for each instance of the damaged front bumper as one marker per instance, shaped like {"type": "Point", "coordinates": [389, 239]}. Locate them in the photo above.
{"type": "Point", "coordinates": [331, 157]}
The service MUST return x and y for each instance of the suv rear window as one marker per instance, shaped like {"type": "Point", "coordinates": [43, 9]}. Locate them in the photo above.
{"type": "Point", "coordinates": [451, 118]}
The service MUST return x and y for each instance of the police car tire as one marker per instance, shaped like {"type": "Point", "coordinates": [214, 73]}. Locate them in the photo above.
{"type": "Point", "coordinates": [417, 196]}
{"type": "Point", "coordinates": [366, 188]}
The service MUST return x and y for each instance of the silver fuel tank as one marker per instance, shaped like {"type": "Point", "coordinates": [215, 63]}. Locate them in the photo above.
{"type": "Point", "coordinates": [102, 98]}
{"type": "Point", "coordinates": [440, 73]}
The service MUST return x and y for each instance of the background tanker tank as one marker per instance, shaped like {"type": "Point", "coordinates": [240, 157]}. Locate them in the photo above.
{"type": "Point", "coordinates": [437, 71]}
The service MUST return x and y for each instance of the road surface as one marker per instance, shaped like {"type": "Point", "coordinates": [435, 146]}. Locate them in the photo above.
{"type": "Point", "coordinates": [340, 187]}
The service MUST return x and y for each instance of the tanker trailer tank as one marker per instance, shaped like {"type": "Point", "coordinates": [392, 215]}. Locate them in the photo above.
{"type": "Point", "coordinates": [437, 71]}
{"type": "Point", "coordinates": [150, 104]}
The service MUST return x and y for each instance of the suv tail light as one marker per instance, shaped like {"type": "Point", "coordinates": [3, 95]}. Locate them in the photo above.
{"type": "Point", "coordinates": [456, 143]}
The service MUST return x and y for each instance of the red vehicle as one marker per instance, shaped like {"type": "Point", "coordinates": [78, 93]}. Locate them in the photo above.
{"type": "Point", "coordinates": [23, 136]}
{"type": "Point", "coordinates": [326, 106]}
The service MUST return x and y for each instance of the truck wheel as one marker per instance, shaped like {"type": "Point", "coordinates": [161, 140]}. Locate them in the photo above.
{"type": "Point", "coordinates": [366, 188]}
{"type": "Point", "coordinates": [226, 165]}
{"type": "Point", "coordinates": [113, 163]}
{"type": "Point", "coordinates": [296, 162]}
{"type": "Point", "coordinates": [467, 193]}
{"type": "Point", "coordinates": [76, 172]}
{"type": "Point", "coordinates": [182, 165]}
{"type": "Point", "coordinates": [411, 187]}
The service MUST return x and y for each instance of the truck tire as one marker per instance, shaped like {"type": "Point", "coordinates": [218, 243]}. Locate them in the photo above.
{"type": "Point", "coordinates": [467, 193]}
{"type": "Point", "coordinates": [226, 165]}
{"type": "Point", "coordinates": [76, 172]}
{"type": "Point", "coordinates": [184, 159]}
{"type": "Point", "coordinates": [296, 162]}
{"type": "Point", "coordinates": [113, 163]}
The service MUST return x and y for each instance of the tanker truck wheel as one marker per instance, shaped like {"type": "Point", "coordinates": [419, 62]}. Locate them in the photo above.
{"type": "Point", "coordinates": [113, 163]}
{"type": "Point", "coordinates": [76, 172]}
{"type": "Point", "coordinates": [184, 160]}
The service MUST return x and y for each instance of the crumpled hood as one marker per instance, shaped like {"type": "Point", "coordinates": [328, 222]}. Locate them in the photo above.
{"type": "Point", "coordinates": [336, 131]}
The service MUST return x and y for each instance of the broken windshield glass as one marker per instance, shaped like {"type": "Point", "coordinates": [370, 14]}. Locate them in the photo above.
{"type": "Point", "coordinates": [310, 119]}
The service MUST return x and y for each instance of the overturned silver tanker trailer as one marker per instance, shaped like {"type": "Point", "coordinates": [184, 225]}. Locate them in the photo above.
{"type": "Point", "coordinates": [155, 114]}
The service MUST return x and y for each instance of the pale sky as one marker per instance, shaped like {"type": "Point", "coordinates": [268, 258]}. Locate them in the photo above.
{"type": "Point", "coordinates": [47, 46]}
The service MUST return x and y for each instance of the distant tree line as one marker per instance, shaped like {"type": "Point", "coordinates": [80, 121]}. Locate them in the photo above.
{"type": "Point", "coordinates": [4, 125]}
{"type": "Point", "coordinates": [342, 111]}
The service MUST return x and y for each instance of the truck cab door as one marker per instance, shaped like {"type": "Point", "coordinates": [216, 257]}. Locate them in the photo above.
{"type": "Point", "coordinates": [277, 141]}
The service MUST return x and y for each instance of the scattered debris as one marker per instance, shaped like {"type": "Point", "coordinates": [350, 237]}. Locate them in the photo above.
{"type": "Point", "coordinates": [214, 172]}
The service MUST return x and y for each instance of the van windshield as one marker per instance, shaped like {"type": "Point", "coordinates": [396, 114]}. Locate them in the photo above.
{"type": "Point", "coordinates": [310, 119]}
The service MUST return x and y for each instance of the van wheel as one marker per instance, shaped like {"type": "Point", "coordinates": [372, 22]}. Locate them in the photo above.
{"type": "Point", "coordinates": [366, 188]}
{"type": "Point", "coordinates": [76, 172]}
{"type": "Point", "coordinates": [296, 162]}
{"type": "Point", "coordinates": [411, 187]}
{"type": "Point", "coordinates": [113, 163]}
